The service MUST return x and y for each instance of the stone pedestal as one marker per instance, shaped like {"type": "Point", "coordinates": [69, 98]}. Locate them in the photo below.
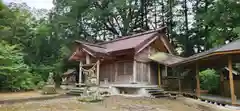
{"type": "Point", "coordinates": [50, 87]}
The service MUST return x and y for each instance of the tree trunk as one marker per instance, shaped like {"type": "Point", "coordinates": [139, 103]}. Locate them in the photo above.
{"type": "Point", "coordinates": [187, 46]}
{"type": "Point", "coordinates": [142, 13]}
{"type": "Point", "coordinates": [163, 11]}
{"type": "Point", "coordinates": [207, 45]}
{"type": "Point", "coordinates": [170, 20]}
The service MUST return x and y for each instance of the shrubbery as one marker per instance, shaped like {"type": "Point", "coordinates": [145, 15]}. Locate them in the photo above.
{"type": "Point", "coordinates": [14, 73]}
{"type": "Point", "coordinates": [209, 80]}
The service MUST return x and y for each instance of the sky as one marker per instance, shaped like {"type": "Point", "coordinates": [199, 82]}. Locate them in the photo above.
{"type": "Point", "coordinates": [46, 4]}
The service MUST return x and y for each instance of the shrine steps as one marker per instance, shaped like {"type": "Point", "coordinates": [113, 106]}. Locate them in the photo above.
{"type": "Point", "coordinates": [159, 93]}
{"type": "Point", "coordinates": [76, 91]}
{"type": "Point", "coordinates": [156, 92]}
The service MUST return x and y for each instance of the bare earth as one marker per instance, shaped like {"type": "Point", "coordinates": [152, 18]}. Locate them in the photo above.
{"type": "Point", "coordinates": [114, 103]}
{"type": "Point", "coordinates": [25, 95]}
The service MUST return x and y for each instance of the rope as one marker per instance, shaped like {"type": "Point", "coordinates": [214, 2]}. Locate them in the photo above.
{"type": "Point", "coordinates": [92, 68]}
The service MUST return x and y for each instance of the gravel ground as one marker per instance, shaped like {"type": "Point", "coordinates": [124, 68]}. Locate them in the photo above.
{"type": "Point", "coordinates": [114, 103]}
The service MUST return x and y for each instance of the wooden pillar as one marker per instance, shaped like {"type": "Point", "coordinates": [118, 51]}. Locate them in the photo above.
{"type": "Point", "coordinates": [149, 66]}
{"type": "Point", "coordinates": [98, 69]}
{"type": "Point", "coordinates": [166, 71]}
{"type": "Point", "coordinates": [197, 80]}
{"type": "Point", "coordinates": [80, 73]}
{"type": "Point", "coordinates": [88, 61]}
{"type": "Point", "coordinates": [166, 75]}
{"type": "Point", "coordinates": [233, 97]}
{"type": "Point", "coordinates": [116, 71]}
{"type": "Point", "coordinates": [159, 75]}
{"type": "Point", "coordinates": [134, 71]}
{"type": "Point", "coordinates": [221, 83]}
{"type": "Point", "coordinates": [179, 81]}
{"type": "Point", "coordinates": [149, 73]}
{"type": "Point", "coordinates": [179, 85]}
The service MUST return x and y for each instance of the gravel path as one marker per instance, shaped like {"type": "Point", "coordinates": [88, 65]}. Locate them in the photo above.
{"type": "Point", "coordinates": [114, 103]}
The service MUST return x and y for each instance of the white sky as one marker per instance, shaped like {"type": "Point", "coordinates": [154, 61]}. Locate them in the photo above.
{"type": "Point", "coordinates": [46, 4]}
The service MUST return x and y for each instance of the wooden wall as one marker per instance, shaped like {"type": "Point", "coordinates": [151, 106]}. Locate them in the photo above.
{"type": "Point", "coordinates": [117, 71]}
{"type": "Point", "coordinates": [142, 72]}
{"type": "Point", "coordinates": [121, 70]}
{"type": "Point", "coordinates": [124, 71]}
{"type": "Point", "coordinates": [145, 71]}
{"type": "Point", "coordinates": [107, 70]}
{"type": "Point", "coordinates": [226, 88]}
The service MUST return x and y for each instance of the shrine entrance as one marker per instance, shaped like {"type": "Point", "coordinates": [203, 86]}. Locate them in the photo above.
{"type": "Point", "coordinates": [88, 74]}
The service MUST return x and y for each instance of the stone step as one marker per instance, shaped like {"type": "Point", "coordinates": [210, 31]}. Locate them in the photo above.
{"type": "Point", "coordinates": [76, 91]}
{"type": "Point", "coordinates": [78, 88]}
{"type": "Point", "coordinates": [160, 96]}
{"type": "Point", "coordinates": [158, 93]}
{"type": "Point", "coordinates": [155, 91]}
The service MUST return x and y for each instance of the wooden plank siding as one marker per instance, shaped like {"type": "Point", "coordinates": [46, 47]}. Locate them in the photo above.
{"type": "Point", "coordinates": [117, 71]}
{"type": "Point", "coordinates": [125, 72]}
{"type": "Point", "coordinates": [142, 72]}
{"type": "Point", "coordinates": [145, 71]}
{"type": "Point", "coordinates": [107, 71]}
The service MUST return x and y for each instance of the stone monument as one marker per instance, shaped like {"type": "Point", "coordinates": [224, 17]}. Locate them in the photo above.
{"type": "Point", "coordinates": [49, 88]}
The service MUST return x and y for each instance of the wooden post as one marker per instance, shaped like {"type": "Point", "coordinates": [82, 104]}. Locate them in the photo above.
{"type": "Point", "coordinates": [159, 75]}
{"type": "Point", "coordinates": [197, 80]}
{"type": "Point", "coordinates": [221, 83]}
{"type": "Point", "coordinates": [149, 73]}
{"type": "Point", "coordinates": [98, 68]}
{"type": "Point", "coordinates": [166, 71]}
{"type": "Point", "coordinates": [179, 84]}
{"type": "Point", "coordinates": [231, 80]}
{"type": "Point", "coordinates": [134, 71]}
{"type": "Point", "coordinates": [179, 81]}
{"type": "Point", "coordinates": [166, 75]}
{"type": "Point", "coordinates": [80, 73]}
{"type": "Point", "coordinates": [149, 66]}
{"type": "Point", "coordinates": [88, 61]}
{"type": "Point", "coordinates": [116, 72]}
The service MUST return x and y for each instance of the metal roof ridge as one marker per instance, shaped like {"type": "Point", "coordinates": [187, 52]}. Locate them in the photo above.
{"type": "Point", "coordinates": [132, 36]}
{"type": "Point", "coordinates": [91, 44]}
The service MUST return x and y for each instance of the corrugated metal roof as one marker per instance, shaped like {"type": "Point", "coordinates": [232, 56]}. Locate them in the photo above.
{"type": "Point", "coordinates": [129, 43]}
{"type": "Point", "coordinates": [232, 46]}
{"type": "Point", "coordinates": [123, 43]}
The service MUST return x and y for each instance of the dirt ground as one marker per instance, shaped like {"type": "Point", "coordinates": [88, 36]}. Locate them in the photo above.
{"type": "Point", "coordinates": [25, 95]}
{"type": "Point", "coordinates": [114, 103]}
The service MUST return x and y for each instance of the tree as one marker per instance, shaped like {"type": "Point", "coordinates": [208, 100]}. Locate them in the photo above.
{"type": "Point", "coordinates": [14, 73]}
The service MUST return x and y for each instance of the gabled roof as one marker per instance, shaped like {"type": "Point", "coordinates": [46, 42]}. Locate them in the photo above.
{"type": "Point", "coordinates": [232, 46]}
{"type": "Point", "coordinates": [92, 47]}
{"type": "Point", "coordinates": [128, 43]}
{"type": "Point", "coordinates": [123, 43]}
